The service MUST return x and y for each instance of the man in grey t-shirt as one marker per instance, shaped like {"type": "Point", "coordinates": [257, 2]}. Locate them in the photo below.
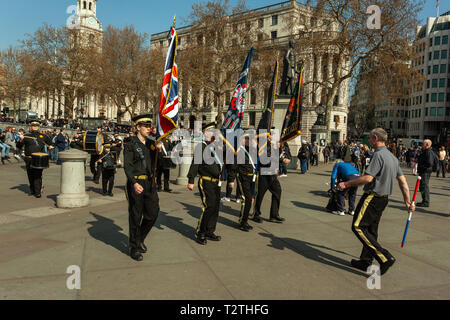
{"type": "Point", "coordinates": [378, 181]}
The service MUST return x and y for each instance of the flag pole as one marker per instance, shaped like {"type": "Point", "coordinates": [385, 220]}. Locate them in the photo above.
{"type": "Point", "coordinates": [174, 20]}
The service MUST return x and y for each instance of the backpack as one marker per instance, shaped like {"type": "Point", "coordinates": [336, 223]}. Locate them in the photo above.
{"type": "Point", "coordinates": [435, 161]}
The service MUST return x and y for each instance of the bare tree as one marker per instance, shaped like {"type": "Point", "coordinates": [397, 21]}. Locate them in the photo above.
{"type": "Point", "coordinates": [61, 63]}
{"type": "Point", "coordinates": [13, 82]}
{"type": "Point", "coordinates": [211, 61]}
{"type": "Point", "coordinates": [123, 69]}
{"type": "Point", "coordinates": [339, 29]}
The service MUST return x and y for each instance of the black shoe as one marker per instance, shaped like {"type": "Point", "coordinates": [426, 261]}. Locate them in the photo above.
{"type": "Point", "coordinates": [277, 219]}
{"type": "Point", "coordinates": [213, 237]}
{"type": "Point", "coordinates": [38, 195]}
{"type": "Point", "coordinates": [104, 193]}
{"type": "Point", "coordinates": [423, 205]}
{"type": "Point", "coordinates": [360, 264]}
{"type": "Point", "coordinates": [201, 239]}
{"type": "Point", "coordinates": [384, 267]}
{"type": "Point", "coordinates": [168, 190]}
{"type": "Point", "coordinates": [136, 255]}
{"type": "Point", "coordinates": [111, 194]}
{"type": "Point", "coordinates": [159, 189]}
{"type": "Point", "coordinates": [142, 248]}
{"type": "Point", "coordinates": [245, 227]}
{"type": "Point", "coordinates": [257, 219]}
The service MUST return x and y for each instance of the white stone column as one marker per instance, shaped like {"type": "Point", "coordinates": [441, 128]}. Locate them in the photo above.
{"type": "Point", "coordinates": [73, 187]}
{"type": "Point", "coordinates": [186, 161]}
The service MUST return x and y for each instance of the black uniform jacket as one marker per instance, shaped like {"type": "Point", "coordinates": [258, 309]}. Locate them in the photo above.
{"type": "Point", "coordinates": [139, 159]}
{"type": "Point", "coordinates": [35, 142]}
{"type": "Point", "coordinates": [203, 169]}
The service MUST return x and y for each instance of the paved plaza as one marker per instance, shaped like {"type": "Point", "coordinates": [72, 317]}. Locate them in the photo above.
{"type": "Point", "coordinates": [307, 257]}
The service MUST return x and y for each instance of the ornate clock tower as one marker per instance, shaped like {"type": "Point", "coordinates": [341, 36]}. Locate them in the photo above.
{"type": "Point", "coordinates": [89, 23]}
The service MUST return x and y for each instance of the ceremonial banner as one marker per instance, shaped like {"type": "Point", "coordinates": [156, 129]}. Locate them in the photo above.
{"type": "Point", "coordinates": [167, 119]}
{"type": "Point", "coordinates": [235, 114]}
{"type": "Point", "coordinates": [292, 125]}
{"type": "Point", "coordinates": [267, 117]}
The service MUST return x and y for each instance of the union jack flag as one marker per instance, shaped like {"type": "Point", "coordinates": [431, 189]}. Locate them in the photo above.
{"type": "Point", "coordinates": [167, 120]}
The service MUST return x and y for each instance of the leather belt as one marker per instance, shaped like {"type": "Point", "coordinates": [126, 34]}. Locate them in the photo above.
{"type": "Point", "coordinates": [247, 174]}
{"type": "Point", "coordinates": [144, 177]}
{"type": "Point", "coordinates": [375, 194]}
{"type": "Point", "coordinates": [209, 179]}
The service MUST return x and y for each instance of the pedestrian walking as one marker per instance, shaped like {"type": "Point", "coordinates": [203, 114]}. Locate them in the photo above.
{"type": "Point", "coordinates": [425, 169]}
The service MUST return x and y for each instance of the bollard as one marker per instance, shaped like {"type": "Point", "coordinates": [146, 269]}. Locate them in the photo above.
{"type": "Point", "coordinates": [73, 187]}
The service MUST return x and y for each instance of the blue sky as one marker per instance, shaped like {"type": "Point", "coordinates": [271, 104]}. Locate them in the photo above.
{"type": "Point", "coordinates": [19, 17]}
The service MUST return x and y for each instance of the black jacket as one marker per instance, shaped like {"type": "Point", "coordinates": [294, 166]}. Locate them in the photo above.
{"type": "Point", "coordinates": [426, 159]}
{"type": "Point", "coordinates": [139, 159]}
{"type": "Point", "coordinates": [209, 170]}
{"type": "Point", "coordinates": [35, 142]}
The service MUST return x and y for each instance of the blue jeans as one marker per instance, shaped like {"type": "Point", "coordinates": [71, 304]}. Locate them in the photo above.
{"type": "Point", "coordinates": [5, 149]}
{"type": "Point", "coordinates": [304, 165]}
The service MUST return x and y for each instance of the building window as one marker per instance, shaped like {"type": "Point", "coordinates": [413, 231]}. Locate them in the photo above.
{"type": "Point", "coordinates": [437, 41]}
{"type": "Point", "coordinates": [427, 98]}
{"type": "Point", "coordinates": [261, 23]}
{"type": "Point", "coordinates": [260, 36]}
{"type": "Point", "coordinates": [447, 111]}
{"type": "Point", "coordinates": [436, 55]}
{"type": "Point", "coordinates": [90, 5]}
{"type": "Point", "coordinates": [433, 97]}
{"type": "Point", "coordinates": [444, 39]}
{"type": "Point", "coordinates": [84, 4]}
{"type": "Point", "coordinates": [441, 97]}
{"type": "Point", "coordinates": [442, 83]}
{"type": "Point", "coordinates": [440, 111]}
{"type": "Point", "coordinates": [436, 68]}
{"type": "Point", "coordinates": [433, 111]}
{"type": "Point", "coordinates": [274, 34]}
{"type": "Point", "coordinates": [429, 56]}
{"type": "Point", "coordinates": [253, 96]}
{"type": "Point", "coordinates": [444, 54]}
{"type": "Point", "coordinates": [429, 69]}
{"type": "Point", "coordinates": [275, 20]}
{"type": "Point", "coordinates": [448, 97]}
{"type": "Point", "coordinates": [431, 42]}
{"type": "Point", "coordinates": [428, 84]}
{"type": "Point", "coordinates": [443, 68]}
{"type": "Point", "coordinates": [426, 112]}
{"type": "Point", "coordinates": [434, 83]}
{"type": "Point", "coordinates": [179, 41]}
{"type": "Point", "coordinates": [252, 115]}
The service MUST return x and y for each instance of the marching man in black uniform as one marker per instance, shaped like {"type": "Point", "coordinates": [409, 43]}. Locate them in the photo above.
{"type": "Point", "coordinates": [208, 184]}
{"type": "Point", "coordinates": [269, 181]}
{"type": "Point", "coordinates": [164, 164]}
{"type": "Point", "coordinates": [246, 178]}
{"type": "Point", "coordinates": [143, 202]}
{"type": "Point", "coordinates": [34, 142]}
{"type": "Point", "coordinates": [109, 164]}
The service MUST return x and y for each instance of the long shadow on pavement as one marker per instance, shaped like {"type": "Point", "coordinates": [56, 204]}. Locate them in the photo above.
{"type": "Point", "coordinates": [104, 230]}
{"type": "Point", "coordinates": [311, 251]}
{"type": "Point", "coordinates": [195, 212]}
{"type": "Point", "coordinates": [310, 206]}
{"type": "Point", "coordinates": [23, 187]}
{"type": "Point", "coordinates": [176, 224]}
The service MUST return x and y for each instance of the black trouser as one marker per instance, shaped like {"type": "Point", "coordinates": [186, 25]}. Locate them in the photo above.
{"type": "Point", "coordinates": [143, 211]}
{"type": "Point", "coordinates": [425, 187]}
{"type": "Point", "coordinates": [34, 177]}
{"type": "Point", "coordinates": [246, 187]}
{"type": "Point", "coordinates": [210, 194]}
{"type": "Point", "coordinates": [441, 168]}
{"type": "Point", "coordinates": [272, 184]}
{"type": "Point", "coordinates": [95, 170]}
{"type": "Point", "coordinates": [108, 180]}
{"type": "Point", "coordinates": [315, 161]}
{"type": "Point", "coordinates": [351, 196]}
{"type": "Point", "coordinates": [166, 173]}
{"type": "Point", "coordinates": [365, 227]}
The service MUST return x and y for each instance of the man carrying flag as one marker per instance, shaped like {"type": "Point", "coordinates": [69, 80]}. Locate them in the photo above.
{"type": "Point", "coordinates": [268, 172]}
{"type": "Point", "coordinates": [244, 170]}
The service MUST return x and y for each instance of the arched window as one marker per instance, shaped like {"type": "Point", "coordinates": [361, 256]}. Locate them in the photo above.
{"type": "Point", "coordinates": [90, 5]}
{"type": "Point", "coordinates": [84, 4]}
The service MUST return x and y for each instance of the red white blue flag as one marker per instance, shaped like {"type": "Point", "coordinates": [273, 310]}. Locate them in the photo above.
{"type": "Point", "coordinates": [167, 120]}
